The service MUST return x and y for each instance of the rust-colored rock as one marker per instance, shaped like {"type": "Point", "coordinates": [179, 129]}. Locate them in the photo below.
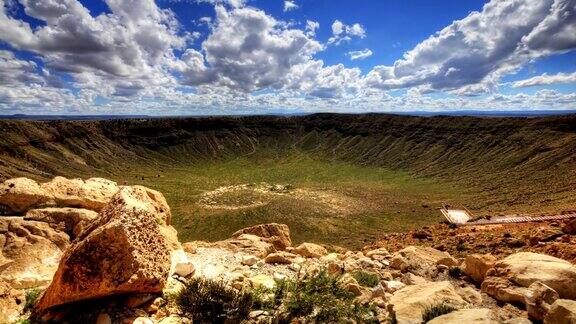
{"type": "Point", "coordinates": [276, 234]}
{"type": "Point", "coordinates": [476, 266]}
{"type": "Point", "coordinates": [123, 251]}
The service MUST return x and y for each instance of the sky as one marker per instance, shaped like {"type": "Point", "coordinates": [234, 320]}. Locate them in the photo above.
{"type": "Point", "coordinates": [212, 57]}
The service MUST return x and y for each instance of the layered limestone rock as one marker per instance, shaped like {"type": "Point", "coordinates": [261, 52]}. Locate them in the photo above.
{"type": "Point", "coordinates": [408, 303]}
{"type": "Point", "coordinates": [93, 194]}
{"type": "Point", "coordinates": [310, 250]}
{"type": "Point", "coordinates": [276, 234]}
{"type": "Point", "coordinates": [510, 277]}
{"type": "Point", "coordinates": [474, 315]}
{"type": "Point", "coordinates": [69, 220]}
{"type": "Point", "coordinates": [420, 260]}
{"type": "Point", "coordinates": [123, 251]}
{"type": "Point", "coordinates": [19, 194]}
{"type": "Point", "coordinates": [30, 251]}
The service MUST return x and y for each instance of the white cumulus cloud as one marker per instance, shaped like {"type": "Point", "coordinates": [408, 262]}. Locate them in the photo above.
{"type": "Point", "coordinates": [344, 33]}
{"type": "Point", "coordinates": [546, 79]}
{"type": "Point", "coordinates": [249, 50]}
{"type": "Point", "coordinates": [472, 54]}
{"type": "Point", "coordinates": [290, 5]}
{"type": "Point", "coordinates": [360, 55]}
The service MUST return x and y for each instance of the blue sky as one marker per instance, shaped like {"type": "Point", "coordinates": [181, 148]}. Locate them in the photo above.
{"type": "Point", "coordinates": [179, 57]}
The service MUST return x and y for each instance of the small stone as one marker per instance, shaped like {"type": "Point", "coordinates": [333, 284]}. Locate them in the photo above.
{"type": "Point", "coordinates": [279, 276]}
{"type": "Point", "coordinates": [399, 263]}
{"type": "Point", "coordinates": [184, 269]}
{"type": "Point", "coordinates": [310, 250]}
{"type": "Point", "coordinates": [103, 318]}
{"type": "Point", "coordinates": [280, 257]}
{"type": "Point", "coordinates": [143, 320]}
{"type": "Point", "coordinates": [378, 291]}
{"type": "Point", "coordinates": [249, 260]}
{"type": "Point", "coordinates": [393, 285]}
{"type": "Point", "coordinates": [137, 300]}
{"type": "Point", "coordinates": [447, 261]}
{"type": "Point", "coordinates": [257, 313]}
{"type": "Point", "coordinates": [476, 266]}
{"type": "Point", "coordinates": [380, 302]}
{"type": "Point", "coordinates": [351, 284]}
{"type": "Point", "coordinates": [378, 254]}
{"type": "Point", "coordinates": [262, 280]}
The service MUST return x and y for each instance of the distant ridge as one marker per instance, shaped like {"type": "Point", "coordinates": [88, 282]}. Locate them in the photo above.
{"type": "Point", "coordinates": [470, 113]}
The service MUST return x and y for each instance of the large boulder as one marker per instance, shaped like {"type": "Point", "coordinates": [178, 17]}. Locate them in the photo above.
{"type": "Point", "coordinates": [510, 277]}
{"type": "Point", "coordinates": [69, 220]}
{"type": "Point", "coordinates": [476, 265]}
{"type": "Point", "coordinates": [125, 250]}
{"type": "Point", "coordinates": [93, 194]}
{"type": "Point", "coordinates": [408, 303]}
{"type": "Point", "coordinates": [30, 252]}
{"type": "Point", "coordinates": [19, 194]}
{"type": "Point", "coordinates": [276, 234]}
{"type": "Point", "coordinates": [246, 243]}
{"type": "Point", "coordinates": [420, 260]}
{"type": "Point", "coordinates": [563, 311]}
{"type": "Point", "coordinates": [462, 316]}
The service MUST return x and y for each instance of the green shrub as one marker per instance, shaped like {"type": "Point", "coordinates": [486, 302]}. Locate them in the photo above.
{"type": "Point", "coordinates": [31, 298]}
{"type": "Point", "coordinates": [209, 301]}
{"type": "Point", "coordinates": [461, 247]}
{"type": "Point", "coordinates": [434, 311]}
{"type": "Point", "coordinates": [455, 272]}
{"type": "Point", "coordinates": [322, 298]}
{"type": "Point", "coordinates": [366, 279]}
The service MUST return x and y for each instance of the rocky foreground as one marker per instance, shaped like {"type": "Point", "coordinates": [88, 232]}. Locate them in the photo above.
{"type": "Point", "coordinates": [89, 251]}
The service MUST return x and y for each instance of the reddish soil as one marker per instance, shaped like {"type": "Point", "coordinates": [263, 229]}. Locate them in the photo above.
{"type": "Point", "coordinates": [499, 240]}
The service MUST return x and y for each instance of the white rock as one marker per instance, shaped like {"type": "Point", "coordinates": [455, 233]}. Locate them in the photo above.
{"type": "Point", "coordinates": [393, 285]}
{"type": "Point", "coordinates": [181, 265]}
{"type": "Point", "coordinates": [262, 280]}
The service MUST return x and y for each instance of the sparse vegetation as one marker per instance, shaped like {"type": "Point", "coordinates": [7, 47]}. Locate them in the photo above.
{"type": "Point", "coordinates": [320, 298]}
{"type": "Point", "coordinates": [461, 247]}
{"type": "Point", "coordinates": [32, 296]}
{"type": "Point", "coordinates": [434, 311]}
{"type": "Point", "coordinates": [366, 279]}
{"type": "Point", "coordinates": [376, 161]}
{"type": "Point", "coordinates": [210, 301]}
{"type": "Point", "coordinates": [455, 272]}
